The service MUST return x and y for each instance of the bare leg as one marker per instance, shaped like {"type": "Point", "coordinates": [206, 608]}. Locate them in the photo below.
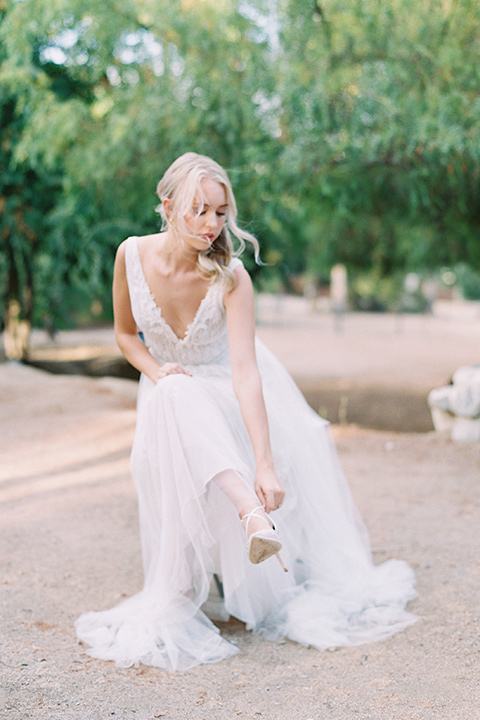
{"type": "Point", "coordinates": [243, 499]}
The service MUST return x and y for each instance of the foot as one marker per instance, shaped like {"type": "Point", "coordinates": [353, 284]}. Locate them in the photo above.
{"type": "Point", "coordinates": [262, 540]}
{"type": "Point", "coordinates": [254, 518]}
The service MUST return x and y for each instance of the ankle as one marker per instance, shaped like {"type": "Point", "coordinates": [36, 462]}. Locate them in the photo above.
{"type": "Point", "coordinates": [248, 508]}
{"type": "Point", "coordinates": [254, 518]}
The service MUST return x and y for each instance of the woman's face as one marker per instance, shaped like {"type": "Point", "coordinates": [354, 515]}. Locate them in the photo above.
{"type": "Point", "coordinates": [207, 217]}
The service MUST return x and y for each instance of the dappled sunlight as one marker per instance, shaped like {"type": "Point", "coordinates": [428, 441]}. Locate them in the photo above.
{"type": "Point", "coordinates": [70, 354]}
{"type": "Point", "coordinates": [62, 432]}
{"type": "Point", "coordinates": [101, 469]}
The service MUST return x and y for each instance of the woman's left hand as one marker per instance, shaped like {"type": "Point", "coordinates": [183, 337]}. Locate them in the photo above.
{"type": "Point", "coordinates": [269, 489]}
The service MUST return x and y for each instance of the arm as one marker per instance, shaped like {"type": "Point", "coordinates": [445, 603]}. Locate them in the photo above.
{"type": "Point", "coordinates": [247, 385]}
{"type": "Point", "coordinates": [126, 333]}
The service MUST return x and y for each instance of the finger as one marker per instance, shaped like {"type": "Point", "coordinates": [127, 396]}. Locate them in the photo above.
{"type": "Point", "coordinates": [270, 501]}
{"type": "Point", "coordinates": [261, 497]}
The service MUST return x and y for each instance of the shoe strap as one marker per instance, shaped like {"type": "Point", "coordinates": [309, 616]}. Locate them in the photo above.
{"type": "Point", "coordinates": [253, 513]}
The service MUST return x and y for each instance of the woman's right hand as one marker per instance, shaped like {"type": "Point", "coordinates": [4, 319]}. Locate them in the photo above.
{"type": "Point", "coordinates": [169, 368]}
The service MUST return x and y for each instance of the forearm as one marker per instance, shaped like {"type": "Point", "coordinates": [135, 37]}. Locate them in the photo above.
{"type": "Point", "coordinates": [248, 390]}
{"type": "Point", "coordinates": [137, 354]}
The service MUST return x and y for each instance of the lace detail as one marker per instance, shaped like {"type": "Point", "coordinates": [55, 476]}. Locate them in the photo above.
{"type": "Point", "coordinates": [206, 338]}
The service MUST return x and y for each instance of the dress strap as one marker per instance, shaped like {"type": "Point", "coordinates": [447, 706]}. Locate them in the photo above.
{"type": "Point", "coordinates": [133, 267]}
{"type": "Point", "coordinates": [234, 263]}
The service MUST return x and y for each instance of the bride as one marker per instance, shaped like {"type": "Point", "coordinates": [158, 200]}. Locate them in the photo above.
{"type": "Point", "coordinates": [223, 439]}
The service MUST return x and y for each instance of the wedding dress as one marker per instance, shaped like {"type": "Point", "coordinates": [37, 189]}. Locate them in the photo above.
{"type": "Point", "coordinates": [189, 430]}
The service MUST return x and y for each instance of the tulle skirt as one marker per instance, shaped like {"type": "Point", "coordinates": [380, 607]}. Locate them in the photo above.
{"type": "Point", "coordinates": [189, 430]}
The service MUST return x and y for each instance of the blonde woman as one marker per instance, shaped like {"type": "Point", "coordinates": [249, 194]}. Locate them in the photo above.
{"type": "Point", "coordinates": [223, 439]}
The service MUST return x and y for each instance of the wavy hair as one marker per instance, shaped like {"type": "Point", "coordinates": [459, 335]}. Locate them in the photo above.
{"type": "Point", "coordinates": [181, 184]}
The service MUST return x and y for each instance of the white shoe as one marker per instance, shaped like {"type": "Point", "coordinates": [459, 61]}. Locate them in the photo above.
{"type": "Point", "coordinates": [264, 543]}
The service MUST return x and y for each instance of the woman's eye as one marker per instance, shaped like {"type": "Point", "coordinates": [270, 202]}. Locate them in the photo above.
{"type": "Point", "coordinates": [221, 214]}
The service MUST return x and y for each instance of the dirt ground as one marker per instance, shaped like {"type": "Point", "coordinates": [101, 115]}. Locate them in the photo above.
{"type": "Point", "coordinates": [69, 542]}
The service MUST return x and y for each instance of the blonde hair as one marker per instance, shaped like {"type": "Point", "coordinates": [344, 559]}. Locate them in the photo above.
{"type": "Point", "coordinates": [181, 185]}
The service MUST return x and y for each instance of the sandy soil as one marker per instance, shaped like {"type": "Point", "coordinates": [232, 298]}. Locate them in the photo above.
{"type": "Point", "coordinates": [70, 543]}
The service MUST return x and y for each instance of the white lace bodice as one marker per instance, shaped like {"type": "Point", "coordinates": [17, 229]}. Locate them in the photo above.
{"type": "Point", "coordinates": [206, 339]}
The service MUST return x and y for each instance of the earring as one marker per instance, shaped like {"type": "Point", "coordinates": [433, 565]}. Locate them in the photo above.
{"type": "Point", "coordinates": [171, 224]}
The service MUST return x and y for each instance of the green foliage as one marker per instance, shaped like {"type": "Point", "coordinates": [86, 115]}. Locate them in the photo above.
{"type": "Point", "coordinates": [468, 281]}
{"type": "Point", "coordinates": [384, 131]}
{"type": "Point", "coordinates": [350, 129]}
{"type": "Point", "coordinates": [374, 293]}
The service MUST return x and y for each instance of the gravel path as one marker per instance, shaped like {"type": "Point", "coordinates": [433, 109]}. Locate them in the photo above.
{"type": "Point", "coordinates": [69, 542]}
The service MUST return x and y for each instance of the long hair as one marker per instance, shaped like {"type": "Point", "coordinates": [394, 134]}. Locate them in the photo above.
{"type": "Point", "coordinates": [182, 185]}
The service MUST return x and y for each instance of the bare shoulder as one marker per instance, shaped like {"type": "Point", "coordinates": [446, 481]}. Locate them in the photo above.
{"type": "Point", "coordinates": [243, 289]}
{"type": "Point", "coordinates": [121, 258]}
{"type": "Point", "coordinates": [242, 276]}
{"type": "Point", "coordinates": [121, 250]}
{"type": "Point", "coordinates": [145, 242]}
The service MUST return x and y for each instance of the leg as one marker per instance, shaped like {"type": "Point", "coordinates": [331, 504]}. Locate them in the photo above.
{"type": "Point", "coordinates": [262, 541]}
{"type": "Point", "coordinates": [242, 498]}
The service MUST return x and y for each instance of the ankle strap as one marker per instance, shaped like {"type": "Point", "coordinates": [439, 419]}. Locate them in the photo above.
{"type": "Point", "coordinates": [253, 513]}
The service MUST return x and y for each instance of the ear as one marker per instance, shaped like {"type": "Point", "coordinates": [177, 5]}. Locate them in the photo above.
{"type": "Point", "coordinates": [167, 206]}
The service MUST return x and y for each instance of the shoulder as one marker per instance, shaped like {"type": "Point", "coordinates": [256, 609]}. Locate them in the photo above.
{"type": "Point", "coordinates": [141, 242]}
{"type": "Point", "coordinates": [142, 239]}
{"type": "Point", "coordinates": [124, 252]}
{"type": "Point", "coordinates": [122, 249]}
{"type": "Point", "coordinates": [243, 288]}
{"type": "Point", "coordinates": [234, 263]}
{"type": "Point", "coordinates": [242, 278]}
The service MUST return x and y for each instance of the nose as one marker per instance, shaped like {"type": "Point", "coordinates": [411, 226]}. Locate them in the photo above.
{"type": "Point", "coordinates": [211, 220]}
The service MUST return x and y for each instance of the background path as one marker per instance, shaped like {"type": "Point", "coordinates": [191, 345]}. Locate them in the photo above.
{"type": "Point", "coordinates": [375, 370]}
{"type": "Point", "coordinates": [69, 542]}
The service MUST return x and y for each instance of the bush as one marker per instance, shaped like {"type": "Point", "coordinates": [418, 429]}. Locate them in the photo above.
{"type": "Point", "coordinates": [468, 281]}
{"type": "Point", "coordinates": [371, 293]}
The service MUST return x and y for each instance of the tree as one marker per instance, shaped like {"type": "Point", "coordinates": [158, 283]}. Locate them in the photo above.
{"type": "Point", "coordinates": [351, 132]}
{"type": "Point", "coordinates": [105, 99]}
{"type": "Point", "coordinates": [382, 120]}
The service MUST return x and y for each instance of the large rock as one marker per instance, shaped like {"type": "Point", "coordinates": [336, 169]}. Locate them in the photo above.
{"type": "Point", "coordinates": [456, 408]}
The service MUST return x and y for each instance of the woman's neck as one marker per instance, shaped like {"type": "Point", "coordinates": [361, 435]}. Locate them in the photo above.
{"type": "Point", "coordinates": [176, 255]}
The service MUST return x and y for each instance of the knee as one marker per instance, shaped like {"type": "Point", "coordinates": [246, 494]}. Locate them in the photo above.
{"type": "Point", "coordinates": [174, 386]}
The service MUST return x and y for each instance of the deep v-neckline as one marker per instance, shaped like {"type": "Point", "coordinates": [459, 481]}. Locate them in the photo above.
{"type": "Point", "coordinates": [157, 307]}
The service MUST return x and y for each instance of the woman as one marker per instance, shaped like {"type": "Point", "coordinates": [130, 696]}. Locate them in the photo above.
{"type": "Point", "coordinates": [224, 438]}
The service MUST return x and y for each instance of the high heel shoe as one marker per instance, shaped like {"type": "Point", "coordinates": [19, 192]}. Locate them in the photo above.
{"type": "Point", "coordinates": [264, 543]}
